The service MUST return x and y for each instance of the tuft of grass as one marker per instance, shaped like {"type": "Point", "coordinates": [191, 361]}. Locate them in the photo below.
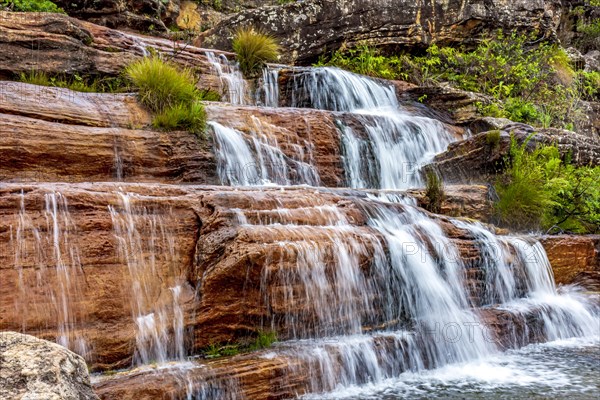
{"type": "Point", "coordinates": [434, 191]}
{"type": "Point", "coordinates": [263, 340]}
{"type": "Point", "coordinates": [254, 49]}
{"type": "Point", "coordinates": [161, 84]}
{"type": "Point", "coordinates": [35, 78]}
{"type": "Point", "coordinates": [209, 95]}
{"type": "Point", "coordinates": [492, 138]}
{"type": "Point", "coordinates": [88, 84]}
{"type": "Point", "coordinates": [182, 116]}
{"type": "Point", "coordinates": [170, 92]}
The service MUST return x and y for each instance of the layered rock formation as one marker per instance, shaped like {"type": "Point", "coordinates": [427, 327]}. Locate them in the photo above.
{"type": "Point", "coordinates": [308, 29]}
{"type": "Point", "coordinates": [480, 157]}
{"type": "Point", "coordinates": [206, 250]}
{"type": "Point", "coordinates": [57, 44]}
{"type": "Point", "coordinates": [31, 368]}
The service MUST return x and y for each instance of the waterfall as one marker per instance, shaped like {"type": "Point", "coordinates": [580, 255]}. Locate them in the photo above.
{"type": "Point", "coordinates": [393, 144]}
{"type": "Point", "coordinates": [46, 257]}
{"type": "Point", "coordinates": [268, 93]}
{"type": "Point", "coordinates": [143, 243]}
{"type": "Point", "coordinates": [412, 308]}
{"type": "Point", "coordinates": [257, 158]}
{"type": "Point", "coordinates": [232, 81]}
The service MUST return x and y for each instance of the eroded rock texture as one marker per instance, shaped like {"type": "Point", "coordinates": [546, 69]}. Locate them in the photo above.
{"type": "Point", "coordinates": [57, 44]}
{"type": "Point", "coordinates": [213, 253]}
{"type": "Point", "coordinates": [481, 156]}
{"type": "Point", "coordinates": [307, 29]}
{"type": "Point", "coordinates": [32, 368]}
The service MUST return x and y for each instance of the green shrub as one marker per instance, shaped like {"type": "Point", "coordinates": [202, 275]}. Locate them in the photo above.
{"type": "Point", "coordinates": [31, 5]}
{"type": "Point", "coordinates": [528, 80]}
{"type": "Point", "coordinates": [254, 49]}
{"type": "Point", "coordinates": [190, 117]}
{"type": "Point", "coordinates": [170, 92]}
{"type": "Point", "coordinates": [539, 190]}
{"type": "Point", "coordinates": [161, 84]}
{"type": "Point", "coordinates": [589, 34]}
{"type": "Point", "coordinates": [434, 192]}
{"type": "Point", "coordinates": [518, 109]}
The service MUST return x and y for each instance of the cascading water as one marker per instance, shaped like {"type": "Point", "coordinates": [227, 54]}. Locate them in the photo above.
{"type": "Point", "coordinates": [47, 259]}
{"type": "Point", "coordinates": [257, 159]}
{"type": "Point", "coordinates": [411, 309]}
{"type": "Point", "coordinates": [268, 93]}
{"type": "Point", "coordinates": [394, 144]}
{"type": "Point", "coordinates": [366, 308]}
{"type": "Point", "coordinates": [142, 243]}
{"type": "Point", "coordinates": [232, 81]}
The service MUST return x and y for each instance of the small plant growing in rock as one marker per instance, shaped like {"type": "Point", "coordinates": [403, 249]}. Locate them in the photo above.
{"type": "Point", "coordinates": [190, 117]}
{"type": "Point", "coordinates": [254, 49]}
{"type": "Point", "coordinates": [76, 82]}
{"type": "Point", "coordinates": [263, 340]}
{"type": "Point", "coordinates": [541, 190]}
{"type": "Point", "coordinates": [35, 78]}
{"type": "Point", "coordinates": [492, 139]}
{"type": "Point", "coordinates": [434, 191]}
{"type": "Point", "coordinates": [170, 92]}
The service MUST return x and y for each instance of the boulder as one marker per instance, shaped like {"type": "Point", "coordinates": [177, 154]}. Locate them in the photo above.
{"type": "Point", "coordinates": [35, 369]}
{"type": "Point", "coordinates": [307, 29]}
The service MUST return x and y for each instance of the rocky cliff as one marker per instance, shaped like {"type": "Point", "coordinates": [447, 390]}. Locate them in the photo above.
{"type": "Point", "coordinates": [308, 29]}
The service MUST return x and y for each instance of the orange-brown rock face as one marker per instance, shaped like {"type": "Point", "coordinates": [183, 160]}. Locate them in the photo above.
{"type": "Point", "coordinates": [54, 134]}
{"type": "Point", "coordinates": [68, 275]}
{"type": "Point", "coordinates": [80, 260]}
{"type": "Point", "coordinates": [574, 257]}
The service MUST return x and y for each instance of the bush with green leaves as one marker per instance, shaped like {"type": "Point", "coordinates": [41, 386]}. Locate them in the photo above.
{"type": "Point", "coordinates": [541, 190]}
{"type": "Point", "coordinates": [170, 92]}
{"type": "Point", "coordinates": [254, 49]}
{"type": "Point", "coordinates": [30, 6]}
{"type": "Point", "coordinates": [529, 80]}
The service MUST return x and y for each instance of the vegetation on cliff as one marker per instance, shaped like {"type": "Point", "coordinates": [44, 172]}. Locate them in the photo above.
{"type": "Point", "coordinates": [30, 5]}
{"type": "Point", "coordinates": [169, 92]}
{"type": "Point", "coordinates": [254, 49]}
{"type": "Point", "coordinates": [541, 190]}
{"type": "Point", "coordinates": [529, 81]}
{"type": "Point", "coordinates": [76, 82]}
